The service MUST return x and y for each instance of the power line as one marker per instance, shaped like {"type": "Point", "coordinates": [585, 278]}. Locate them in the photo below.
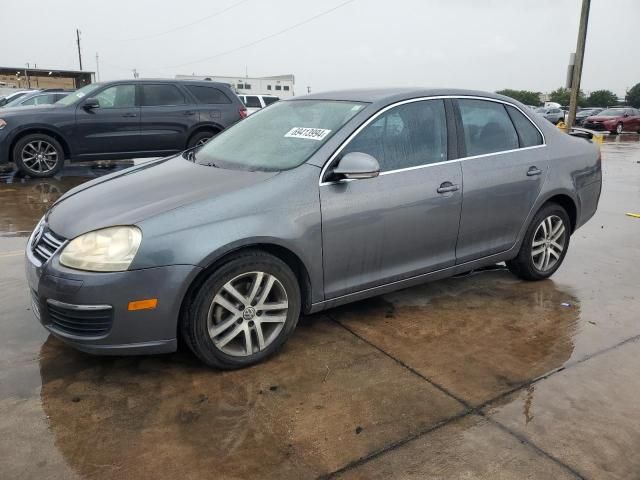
{"type": "Point", "coordinates": [186, 25]}
{"type": "Point", "coordinates": [255, 42]}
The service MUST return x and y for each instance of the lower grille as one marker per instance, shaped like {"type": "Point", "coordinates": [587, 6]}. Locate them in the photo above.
{"type": "Point", "coordinates": [594, 126]}
{"type": "Point", "coordinates": [80, 320]}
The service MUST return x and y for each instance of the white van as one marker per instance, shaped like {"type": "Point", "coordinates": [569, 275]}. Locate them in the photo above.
{"type": "Point", "coordinates": [256, 102]}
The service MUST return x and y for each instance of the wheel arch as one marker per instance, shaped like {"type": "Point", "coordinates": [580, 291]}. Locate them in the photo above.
{"type": "Point", "coordinates": [44, 131]}
{"type": "Point", "coordinates": [566, 202]}
{"type": "Point", "coordinates": [207, 127]}
{"type": "Point", "coordinates": [283, 253]}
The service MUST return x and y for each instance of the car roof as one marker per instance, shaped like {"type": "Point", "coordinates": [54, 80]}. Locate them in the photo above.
{"type": "Point", "coordinates": [389, 95]}
{"type": "Point", "coordinates": [204, 83]}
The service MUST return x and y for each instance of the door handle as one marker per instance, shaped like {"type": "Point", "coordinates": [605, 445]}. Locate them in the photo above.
{"type": "Point", "coordinates": [446, 187]}
{"type": "Point", "coordinates": [189, 113]}
{"type": "Point", "coordinates": [533, 171]}
{"type": "Point", "coordinates": [129, 115]}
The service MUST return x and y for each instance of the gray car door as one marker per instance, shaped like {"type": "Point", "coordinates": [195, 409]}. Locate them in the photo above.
{"type": "Point", "coordinates": [503, 171]}
{"type": "Point", "coordinates": [402, 223]}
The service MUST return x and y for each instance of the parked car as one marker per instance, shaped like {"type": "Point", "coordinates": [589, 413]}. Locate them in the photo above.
{"type": "Point", "coordinates": [582, 114]}
{"type": "Point", "coordinates": [553, 114]}
{"type": "Point", "coordinates": [615, 120]}
{"type": "Point", "coordinates": [13, 96]}
{"type": "Point", "coordinates": [38, 97]}
{"type": "Point", "coordinates": [311, 203]}
{"type": "Point", "coordinates": [123, 119]}
{"type": "Point", "coordinates": [256, 102]}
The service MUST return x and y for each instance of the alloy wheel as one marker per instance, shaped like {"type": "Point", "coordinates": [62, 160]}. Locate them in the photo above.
{"type": "Point", "coordinates": [39, 156]}
{"type": "Point", "coordinates": [619, 128]}
{"type": "Point", "coordinates": [548, 244]}
{"type": "Point", "coordinates": [247, 314]}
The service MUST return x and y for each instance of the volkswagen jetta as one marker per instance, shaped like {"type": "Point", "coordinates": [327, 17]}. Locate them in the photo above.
{"type": "Point", "coordinates": [313, 202]}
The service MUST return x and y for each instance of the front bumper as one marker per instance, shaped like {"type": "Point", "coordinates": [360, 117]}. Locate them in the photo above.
{"type": "Point", "coordinates": [71, 304]}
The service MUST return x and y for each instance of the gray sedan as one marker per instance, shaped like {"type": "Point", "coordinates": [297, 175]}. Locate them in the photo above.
{"type": "Point", "coordinates": [554, 115]}
{"type": "Point", "coordinates": [314, 202]}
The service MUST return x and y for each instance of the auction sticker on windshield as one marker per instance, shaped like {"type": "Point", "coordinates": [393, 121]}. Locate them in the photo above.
{"type": "Point", "coordinates": [306, 132]}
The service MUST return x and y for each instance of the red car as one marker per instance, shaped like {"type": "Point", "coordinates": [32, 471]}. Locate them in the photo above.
{"type": "Point", "coordinates": [615, 120]}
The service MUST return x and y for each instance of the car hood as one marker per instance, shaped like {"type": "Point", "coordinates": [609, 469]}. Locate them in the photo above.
{"type": "Point", "coordinates": [597, 118]}
{"type": "Point", "coordinates": [135, 194]}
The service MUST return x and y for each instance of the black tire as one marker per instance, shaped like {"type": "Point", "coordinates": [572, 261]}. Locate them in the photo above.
{"type": "Point", "coordinates": [200, 137]}
{"type": "Point", "coordinates": [620, 127]}
{"type": "Point", "coordinates": [194, 326]}
{"type": "Point", "coordinates": [27, 146]}
{"type": "Point", "coordinates": [523, 265]}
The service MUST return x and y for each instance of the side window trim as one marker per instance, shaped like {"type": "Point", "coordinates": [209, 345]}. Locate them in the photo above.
{"type": "Point", "coordinates": [458, 125]}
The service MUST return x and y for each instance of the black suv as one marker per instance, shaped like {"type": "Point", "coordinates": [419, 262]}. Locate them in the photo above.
{"type": "Point", "coordinates": [123, 119]}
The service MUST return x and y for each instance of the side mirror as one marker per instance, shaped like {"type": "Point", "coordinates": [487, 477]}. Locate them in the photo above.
{"type": "Point", "coordinates": [91, 103]}
{"type": "Point", "coordinates": [357, 165]}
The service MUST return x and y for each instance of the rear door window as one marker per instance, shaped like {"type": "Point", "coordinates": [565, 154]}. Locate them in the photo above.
{"type": "Point", "coordinates": [161, 95]}
{"type": "Point", "coordinates": [527, 133]}
{"type": "Point", "coordinates": [487, 127]}
{"type": "Point", "coordinates": [208, 95]}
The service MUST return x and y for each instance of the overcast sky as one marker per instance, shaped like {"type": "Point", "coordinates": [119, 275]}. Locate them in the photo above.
{"type": "Point", "coordinates": [481, 44]}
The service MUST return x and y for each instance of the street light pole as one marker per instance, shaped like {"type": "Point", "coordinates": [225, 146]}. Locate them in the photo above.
{"type": "Point", "coordinates": [577, 69]}
{"type": "Point", "coordinates": [79, 52]}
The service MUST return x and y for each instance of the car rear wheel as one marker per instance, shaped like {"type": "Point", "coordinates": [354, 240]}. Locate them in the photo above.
{"type": "Point", "coordinates": [200, 139]}
{"type": "Point", "coordinates": [244, 312]}
{"type": "Point", "coordinates": [544, 246]}
{"type": "Point", "coordinates": [619, 128]}
{"type": "Point", "coordinates": [38, 155]}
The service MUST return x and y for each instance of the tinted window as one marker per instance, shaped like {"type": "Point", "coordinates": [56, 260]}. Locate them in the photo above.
{"type": "Point", "coordinates": [529, 134]}
{"type": "Point", "coordinates": [253, 102]}
{"type": "Point", "coordinates": [208, 95]}
{"type": "Point", "coordinates": [487, 127]}
{"type": "Point", "coordinates": [406, 136]}
{"type": "Point", "coordinates": [118, 96]}
{"type": "Point", "coordinates": [270, 100]}
{"type": "Point", "coordinates": [156, 95]}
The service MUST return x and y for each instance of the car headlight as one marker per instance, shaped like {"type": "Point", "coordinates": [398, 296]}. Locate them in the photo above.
{"type": "Point", "coordinates": [108, 250]}
{"type": "Point", "coordinates": [2, 124]}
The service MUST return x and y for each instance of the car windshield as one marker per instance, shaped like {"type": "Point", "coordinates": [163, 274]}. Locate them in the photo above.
{"type": "Point", "coordinates": [280, 137]}
{"type": "Point", "coordinates": [78, 94]}
{"type": "Point", "coordinates": [611, 112]}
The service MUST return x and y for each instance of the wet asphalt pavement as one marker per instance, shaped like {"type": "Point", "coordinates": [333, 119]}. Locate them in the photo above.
{"type": "Point", "coordinates": [480, 376]}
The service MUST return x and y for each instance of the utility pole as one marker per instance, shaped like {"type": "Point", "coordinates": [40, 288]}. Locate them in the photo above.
{"type": "Point", "coordinates": [135, 73]}
{"type": "Point", "coordinates": [577, 69]}
{"type": "Point", "coordinates": [98, 66]}
{"type": "Point", "coordinates": [79, 52]}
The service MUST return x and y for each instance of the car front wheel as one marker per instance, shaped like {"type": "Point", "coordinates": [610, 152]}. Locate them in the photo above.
{"type": "Point", "coordinates": [243, 312]}
{"type": "Point", "coordinates": [619, 128]}
{"type": "Point", "coordinates": [544, 246]}
{"type": "Point", "coordinates": [38, 155]}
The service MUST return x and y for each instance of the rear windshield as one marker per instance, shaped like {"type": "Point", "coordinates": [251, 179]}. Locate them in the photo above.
{"type": "Point", "coordinates": [280, 137]}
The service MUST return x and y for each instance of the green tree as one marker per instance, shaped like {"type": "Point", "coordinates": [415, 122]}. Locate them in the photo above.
{"type": "Point", "coordinates": [563, 95]}
{"type": "Point", "coordinates": [602, 98]}
{"type": "Point", "coordinates": [524, 96]}
{"type": "Point", "coordinates": [633, 96]}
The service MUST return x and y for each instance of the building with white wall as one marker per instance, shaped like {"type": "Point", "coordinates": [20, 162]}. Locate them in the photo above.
{"type": "Point", "coordinates": [279, 85]}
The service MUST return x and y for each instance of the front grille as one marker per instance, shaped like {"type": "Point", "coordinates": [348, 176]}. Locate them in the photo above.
{"type": "Point", "coordinates": [81, 320]}
{"type": "Point", "coordinates": [46, 244]}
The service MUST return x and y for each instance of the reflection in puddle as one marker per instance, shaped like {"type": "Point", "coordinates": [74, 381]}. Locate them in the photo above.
{"type": "Point", "coordinates": [478, 337]}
